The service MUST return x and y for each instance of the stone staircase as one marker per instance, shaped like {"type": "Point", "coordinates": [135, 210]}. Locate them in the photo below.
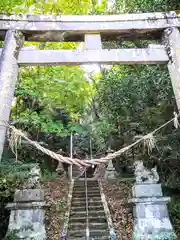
{"type": "Point", "coordinates": [98, 225]}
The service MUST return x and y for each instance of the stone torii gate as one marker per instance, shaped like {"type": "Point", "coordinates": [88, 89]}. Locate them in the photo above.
{"type": "Point", "coordinates": [14, 30]}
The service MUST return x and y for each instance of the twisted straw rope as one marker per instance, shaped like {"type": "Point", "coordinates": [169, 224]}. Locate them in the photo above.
{"type": "Point", "coordinates": [75, 161]}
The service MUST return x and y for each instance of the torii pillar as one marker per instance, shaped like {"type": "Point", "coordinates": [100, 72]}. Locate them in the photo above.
{"type": "Point", "coordinates": [172, 44]}
{"type": "Point", "coordinates": [8, 78]}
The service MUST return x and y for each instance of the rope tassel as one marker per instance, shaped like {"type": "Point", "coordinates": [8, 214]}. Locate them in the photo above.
{"type": "Point", "coordinates": [150, 142]}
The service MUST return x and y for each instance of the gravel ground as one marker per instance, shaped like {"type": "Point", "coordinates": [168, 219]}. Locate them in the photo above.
{"type": "Point", "coordinates": [117, 196]}
{"type": "Point", "coordinates": [56, 192]}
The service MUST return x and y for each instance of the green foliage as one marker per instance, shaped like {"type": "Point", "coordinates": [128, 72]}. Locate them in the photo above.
{"type": "Point", "coordinates": [124, 96]}
{"type": "Point", "coordinates": [43, 92]}
{"type": "Point", "coordinates": [56, 86]}
{"type": "Point", "coordinates": [98, 8]}
{"type": "Point", "coordinates": [8, 185]}
{"type": "Point", "coordinates": [49, 176]}
{"type": "Point", "coordinates": [60, 206]}
{"type": "Point", "coordinates": [7, 6]}
{"type": "Point", "coordinates": [12, 235]}
{"type": "Point", "coordinates": [100, 132]}
{"type": "Point", "coordinates": [174, 212]}
{"type": "Point", "coordinates": [50, 7]}
{"type": "Point", "coordinates": [12, 176]}
{"type": "Point", "coordinates": [49, 88]}
{"type": "Point", "coordinates": [134, 100]}
{"type": "Point", "coordinates": [132, 6]}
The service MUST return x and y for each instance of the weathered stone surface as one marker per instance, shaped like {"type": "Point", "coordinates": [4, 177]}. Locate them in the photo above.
{"type": "Point", "coordinates": [27, 212]}
{"type": "Point", "coordinates": [104, 56]}
{"type": "Point", "coordinates": [150, 225]}
{"type": "Point", "coordinates": [29, 195]}
{"type": "Point", "coordinates": [150, 211]}
{"type": "Point", "coordinates": [110, 171]}
{"type": "Point", "coordinates": [151, 219]}
{"type": "Point", "coordinates": [51, 28]}
{"type": "Point", "coordinates": [152, 222]}
{"type": "Point", "coordinates": [150, 200]}
{"type": "Point", "coordinates": [147, 190]}
{"type": "Point", "coordinates": [8, 77]}
{"type": "Point", "coordinates": [26, 205]}
{"type": "Point", "coordinates": [92, 41]}
{"type": "Point", "coordinates": [29, 224]}
{"type": "Point", "coordinates": [168, 235]}
{"type": "Point", "coordinates": [33, 178]}
{"type": "Point", "coordinates": [144, 175]}
{"type": "Point", "coordinates": [172, 43]}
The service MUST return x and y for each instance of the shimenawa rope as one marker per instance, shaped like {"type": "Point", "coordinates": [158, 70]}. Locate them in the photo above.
{"type": "Point", "coordinates": [15, 136]}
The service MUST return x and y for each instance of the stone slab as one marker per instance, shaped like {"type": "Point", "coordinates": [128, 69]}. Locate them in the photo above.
{"type": "Point", "coordinates": [160, 235]}
{"type": "Point", "coordinates": [150, 200]}
{"type": "Point", "coordinates": [147, 190]}
{"type": "Point", "coordinates": [26, 205]}
{"type": "Point", "coordinates": [152, 224]}
{"type": "Point", "coordinates": [158, 211]}
{"type": "Point", "coordinates": [27, 216]}
{"type": "Point", "coordinates": [29, 224]}
{"type": "Point", "coordinates": [29, 195]}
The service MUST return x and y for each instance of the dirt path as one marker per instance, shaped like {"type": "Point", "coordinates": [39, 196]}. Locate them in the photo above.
{"type": "Point", "coordinates": [117, 195]}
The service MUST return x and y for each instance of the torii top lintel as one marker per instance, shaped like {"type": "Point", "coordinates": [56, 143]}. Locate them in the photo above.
{"type": "Point", "coordinates": [111, 27]}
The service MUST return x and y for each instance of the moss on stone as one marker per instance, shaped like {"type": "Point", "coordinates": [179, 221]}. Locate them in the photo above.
{"type": "Point", "coordinates": [12, 235]}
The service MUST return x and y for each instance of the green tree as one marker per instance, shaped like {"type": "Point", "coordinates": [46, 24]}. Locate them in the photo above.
{"type": "Point", "coordinates": [50, 100]}
{"type": "Point", "coordinates": [50, 88]}
{"type": "Point", "coordinates": [136, 6]}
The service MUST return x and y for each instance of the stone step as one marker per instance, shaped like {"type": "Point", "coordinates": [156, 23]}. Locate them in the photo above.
{"type": "Point", "coordinates": [96, 219]}
{"type": "Point", "coordinates": [89, 184]}
{"type": "Point", "coordinates": [96, 194]}
{"type": "Point", "coordinates": [82, 188]}
{"type": "Point", "coordinates": [82, 191]}
{"type": "Point", "coordinates": [91, 213]}
{"type": "Point", "coordinates": [90, 199]}
{"type": "Point", "coordinates": [79, 185]}
{"type": "Point", "coordinates": [90, 180]}
{"type": "Point", "coordinates": [94, 238]}
{"type": "Point", "coordinates": [96, 207]}
{"type": "Point", "coordinates": [93, 233]}
{"type": "Point", "coordinates": [96, 225]}
{"type": "Point", "coordinates": [91, 208]}
{"type": "Point", "coordinates": [82, 182]}
{"type": "Point", "coordinates": [77, 203]}
{"type": "Point", "coordinates": [107, 237]}
{"type": "Point", "coordinates": [83, 203]}
{"type": "Point", "coordinates": [90, 190]}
